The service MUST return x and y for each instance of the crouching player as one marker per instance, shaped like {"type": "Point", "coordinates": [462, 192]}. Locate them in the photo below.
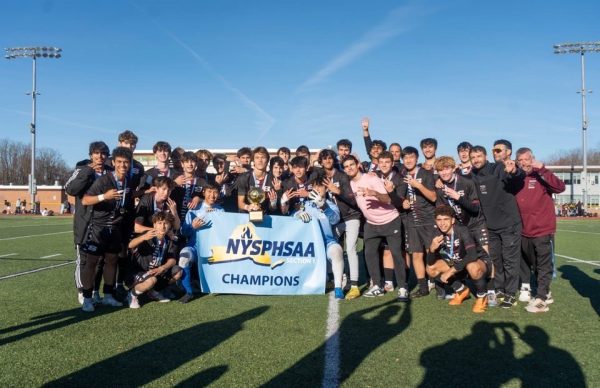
{"type": "Point", "coordinates": [327, 213]}
{"type": "Point", "coordinates": [194, 220]}
{"type": "Point", "coordinates": [453, 255]}
{"type": "Point", "coordinates": [154, 261]}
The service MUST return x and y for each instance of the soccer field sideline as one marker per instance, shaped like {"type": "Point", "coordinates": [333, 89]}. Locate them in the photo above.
{"type": "Point", "coordinates": [331, 331]}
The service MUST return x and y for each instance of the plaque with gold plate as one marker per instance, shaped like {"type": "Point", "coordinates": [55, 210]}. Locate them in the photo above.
{"type": "Point", "coordinates": [256, 196]}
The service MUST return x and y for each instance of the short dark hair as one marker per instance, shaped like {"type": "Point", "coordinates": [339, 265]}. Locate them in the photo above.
{"type": "Point", "coordinates": [219, 157]}
{"type": "Point", "coordinates": [302, 148]}
{"type": "Point", "coordinates": [504, 142]}
{"type": "Point", "coordinates": [397, 145]}
{"type": "Point", "coordinates": [243, 151]}
{"type": "Point", "coordinates": [276, 160]}
{"type": "Point", "coordinates": [299, 161]}
{"type": "Point", "coordinates": [464, 145]}
{"type": "Point", "coordinates": [327, 153]}
{"type": "Point", "coordinates": [163, 216]}
{"type": "Point", "coordinates": [386, 155]}
{"type": "Point", "coordinates": [161, 181]}
{"type": "Point", "coordinates": [261, 150]}
{"type": "Point", "coordinates": [380, 143]}
{"type": "Point", "coordinates": [317, 178]}
{"type": "Point", "coordinates": [99, 146]}
{"type": "Point", "coordinates": [428, 140]}
{"type": "Point", "coordinates": [344, 143]}
{"type": "Point", "coordinates": [444, 210]}
{"type": "Point", "coordinates": [122, 152]}
{"type": "Point", "coordinates": [285, 150]}
{"type": "Point", "coordinates": [410, 150]}
{"type": "Point", "coordinates": [161, 145]}
{"type": "Point", "coordinates": [187, 156]}
{"type": "Point", "coordinates": [350, 157]}
{"type": "Point", "coordinates": [210, 186]}
{"type": "Point", "coordinates": [478, 148]}
{"type": "Point", "coordinates": [128, 136]}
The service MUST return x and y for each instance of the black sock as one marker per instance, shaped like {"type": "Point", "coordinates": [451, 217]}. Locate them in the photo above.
{"type": "Point", "coordinates": [423, 284]}
{"type": "Point", "coordinates": [456, 285]}
{"type": "Point", "coordinates": [108, 289]}
{"type": "Point", "coordinates": [388, 273]}
{"type": "Point", "coordinates": [86, 293]}
{"type": "Point", "coordinates": [480, 286]}
{"type": "Point", "coordinates": [354, 283]}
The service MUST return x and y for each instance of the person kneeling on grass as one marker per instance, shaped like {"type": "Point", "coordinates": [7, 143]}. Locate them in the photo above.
{"type": "Point", "coordinates": [453, 256]}
{"type": "Point", "coordinates": [327, 213]}
{"type": "Point", "coordinates": [194, 220]}
{"type": "Point", "coordinates": [154, 261]}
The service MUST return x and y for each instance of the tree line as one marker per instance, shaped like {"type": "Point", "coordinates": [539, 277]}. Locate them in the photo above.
{"type": "Point", "coordinates": [574, 157]}
{"type": "Point", "coordinates": [15, 164]}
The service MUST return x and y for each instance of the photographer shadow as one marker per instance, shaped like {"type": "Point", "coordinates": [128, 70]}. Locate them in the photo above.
{"type": "Point", "coordinates": [584, 284]}
{"type": "Point", "coordinates": [146, 363]}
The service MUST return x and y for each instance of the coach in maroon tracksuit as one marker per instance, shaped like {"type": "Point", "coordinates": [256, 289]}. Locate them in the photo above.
{"type": "Point", "coordinates": [534, 198]}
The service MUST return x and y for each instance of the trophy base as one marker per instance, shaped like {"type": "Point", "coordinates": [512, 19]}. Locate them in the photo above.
{"type": "Point", "coordinates": [256, 216]}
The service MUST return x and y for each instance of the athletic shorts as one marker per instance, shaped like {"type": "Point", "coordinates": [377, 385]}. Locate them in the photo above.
{"type": "Point", "coordinates": [419, 237]}
{"type": "Point", "coordinates": [102, 239]}
{"type": "Point", "coordinates": [163, 279]}
{"type": "Point", "coordinates": [480, 234]}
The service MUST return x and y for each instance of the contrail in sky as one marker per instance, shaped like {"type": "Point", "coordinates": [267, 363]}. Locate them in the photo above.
{"type": "Point", "coordinates": [398, 21]}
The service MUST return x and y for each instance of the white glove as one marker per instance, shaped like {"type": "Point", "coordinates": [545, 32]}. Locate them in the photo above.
{"type": "Point", "coordinates": [304, 216]}
{"type": "Point", "coordinates": [284, 199]}
{"type": "Point", "coordinates": [316, 198]}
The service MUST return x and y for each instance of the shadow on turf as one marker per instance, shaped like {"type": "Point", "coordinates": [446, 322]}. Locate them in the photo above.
{"type": "Point", "coordinates": [358, 336]}
{"type": "Point", "coordinates": [486, 358]}
{"type": "Point", "coordinates": [584, 284]}
{"type": "Point", "coordinates": [150, 361]}
{"type": "Point", "coordinates": [52, 321]}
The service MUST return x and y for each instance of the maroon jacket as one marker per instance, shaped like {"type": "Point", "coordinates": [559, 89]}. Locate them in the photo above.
{"type": "Point", "coordinates": [534, 198]}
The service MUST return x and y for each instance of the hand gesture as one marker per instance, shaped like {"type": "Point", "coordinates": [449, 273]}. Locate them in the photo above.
{"type": "Point", "coordinates": [172, 206]}
{"type": "Point", "coordinates": [150, 235]}
{"type": "Point", "coordinates": [221, 178]}
{"type": "Point", "coordinates": [510, 166]}
{"type": "Point", "coordinates": [303, 216]}
{"type": "Point", "coordinates": [406, 204]}
{"type": "Point", "coordinates": [198, 222]}
{"type": "Point", "coordinates": [364, 123]}
{"type": "Point", "coordinates": [194, 203]}
{"type": "Point", "coordinates": [331, 186]}
{"type": "Point", "coordinates": [276, 183]}
{"type": "Point", "coordinates": [389, 186]}
{"type": "Point", "coordinates": [315, 196]}
{"type": "Point", "coordinates": [537, 164]}
{"type": "Point", "coordinates": [113, 194]}
{"type": "Point", "coordinates": [411, 181]}
{"type": "Point", "coordinates": [439, 184]}
{"type": "Point", "coordinates": [451, 193]}
{"type": "Point", "coordinates": [180, 180]}
{"type": "Point", "coordinates": [435, 243]}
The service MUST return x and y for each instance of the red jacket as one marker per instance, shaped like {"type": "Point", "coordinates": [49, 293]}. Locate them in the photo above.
{"type": "Point", "coordinates": [536, 206]}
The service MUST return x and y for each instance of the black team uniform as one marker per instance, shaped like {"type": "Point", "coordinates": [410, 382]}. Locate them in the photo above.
{"type": "Point", "coordinates": [419, 220]}
{"type": "Point", "coordinates": [467, 208]}
{"type": "Point", "coordinates": [105, 233]}
{"type": "Point", "coordinates": [184, 194]}
{"type": "Point", "coordinates": [152, 254]}
{"type": "Point", "coordinates": [248, 180]}
{"type": "Point", "coordinates": [458, 250]}
{"type": "Point", "coordinates": [291, 183]}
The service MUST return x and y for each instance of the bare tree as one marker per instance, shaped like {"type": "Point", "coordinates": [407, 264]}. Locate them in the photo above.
{"type": "Point", "coordinates": [575, 157]}
{"type": "Point", "coordinates": [15, 161]}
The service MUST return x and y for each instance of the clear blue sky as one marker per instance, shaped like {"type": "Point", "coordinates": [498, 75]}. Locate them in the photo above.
{"type": "Point", "coordinates": [225, 74]}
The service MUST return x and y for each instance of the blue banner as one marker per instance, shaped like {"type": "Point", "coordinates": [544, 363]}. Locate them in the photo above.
{"type": "Point", "coordinates": [280, 256]}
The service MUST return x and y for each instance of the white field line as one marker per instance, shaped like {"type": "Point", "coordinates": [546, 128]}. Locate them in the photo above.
{"type": "Point", "coordinates": [49, 256]}
{"type": "Point", "coordinates": [34, 235]}
{"type": "Point", "coordinates": [32, 225]}
{"type": "Point", "coordinates": [8, 254]}
{"type": "Point", "coordinates": [331, 372]}
{"type": "Point", "coordinates": [575, 231]}
{"type": "Point", "coordinates": [574, 259]}
{"type": "Point", "coordinates": [36, 270]}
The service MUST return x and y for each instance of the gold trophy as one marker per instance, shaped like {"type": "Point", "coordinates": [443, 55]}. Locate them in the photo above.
{"type": "Point", "coordinates": [256, 196]}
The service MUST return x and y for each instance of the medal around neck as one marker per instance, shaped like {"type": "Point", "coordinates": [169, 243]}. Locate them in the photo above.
{"type": "Point", "coordinates": [256, 196]}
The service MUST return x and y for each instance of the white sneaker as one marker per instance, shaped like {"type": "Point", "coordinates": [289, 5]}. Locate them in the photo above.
{"type": "Point", "coordinates": [537, 306]}
{"type": "Point", "coordinates": [133, 302]}
{"type": "Point", "coordinates": [96, 298]}
{"type": "Point", "coordinates": [388, 287]}
{"type": "Point", "coordinates": [525, 295]}
{"type": "Point", "coordinates": [87, 305]}
{"type": "Point", "coordinates": [157, 296]}
{"type": "Point", "coordinates": [430, 285]}
{"type": "Point", "coordinates": [403, 294]}
{"type": "Point", "coordinates": [80, 297]}
{"type": "Point", "coordinates": [549, 298]}
{"type": "Point", "coordinates": [109, 300]}
{"type": "Point", "coordinates": [374, 291]}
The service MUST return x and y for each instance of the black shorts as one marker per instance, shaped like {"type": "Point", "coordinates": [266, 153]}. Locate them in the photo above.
{"type": "Point", "coordinates": [138, 277]}
{"type": "Point", "coordinates": [419, 237]}
{"type": "Point", "coordinates": [102, 239]}
{"type": "Point", "coordinates": [480, 234]}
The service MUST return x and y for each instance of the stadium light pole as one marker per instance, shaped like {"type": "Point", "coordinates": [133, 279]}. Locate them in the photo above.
{"type": "Point", "coordinates": [581, 48]}
{"type": "Point", "coordinates": [34, 53]}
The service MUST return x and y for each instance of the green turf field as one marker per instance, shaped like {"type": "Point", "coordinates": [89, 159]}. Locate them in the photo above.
{"type": "Point", "coordinates": [227, 340]}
